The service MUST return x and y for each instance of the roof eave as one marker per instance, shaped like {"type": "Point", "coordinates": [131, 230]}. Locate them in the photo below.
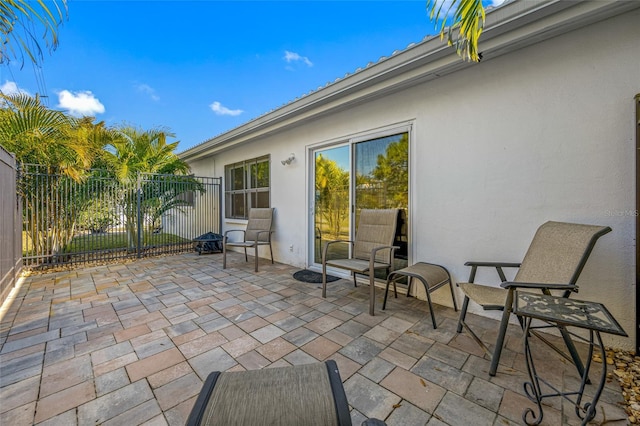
{"type": "Point", "coordinates": [510, 27]}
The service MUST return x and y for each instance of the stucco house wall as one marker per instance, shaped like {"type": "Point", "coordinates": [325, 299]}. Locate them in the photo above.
{"type": "Point", "coordinates": [542, 133]}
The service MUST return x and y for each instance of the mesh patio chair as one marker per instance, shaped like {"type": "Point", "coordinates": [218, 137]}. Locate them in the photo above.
{"type": "Point", "coordinates": [554, 261]}
{"type": "Point", "coordinates": [371, 250]}
{"type": "Point", "coordinates": [307, 394]}
{"type": "Point", "coordinates": [258, 233]}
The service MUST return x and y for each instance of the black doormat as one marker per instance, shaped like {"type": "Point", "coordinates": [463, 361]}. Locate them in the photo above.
{"type": "Point", "coordinates": [308, 276]}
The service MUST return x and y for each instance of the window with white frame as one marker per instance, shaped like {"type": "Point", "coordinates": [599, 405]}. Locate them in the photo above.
{"type": "Point", "coordinates": [247, 185]}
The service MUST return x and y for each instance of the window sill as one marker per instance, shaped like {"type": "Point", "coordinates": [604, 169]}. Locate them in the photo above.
{"type": "Point", "coordinates": [233, 221]}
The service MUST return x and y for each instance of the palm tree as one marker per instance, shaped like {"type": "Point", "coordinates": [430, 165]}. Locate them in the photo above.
{"type": "Point", "coordinates": [39, 135]}
{"type": "Point", "coordinates": [138, 152]}
{"type": "Point", "coordinates": [143, 151]}
{"type": "Point", "coordinates": [332, 194]}
{"type": "Point", "coordinates": [17, 19]}
{"type": "Point", "coordinates": [53, 149]}
{"type": "Point", "coordinates": [465, 25]}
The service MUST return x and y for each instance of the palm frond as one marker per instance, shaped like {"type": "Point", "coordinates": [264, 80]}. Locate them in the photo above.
{"type": "Point", "coordinates": [17, 32]}
{"type": "Point", "coordinates": [462, 28]}
{"type": "Point", "coordinates": [36, 134]}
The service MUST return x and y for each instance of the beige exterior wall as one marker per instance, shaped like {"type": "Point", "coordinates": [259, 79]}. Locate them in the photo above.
{"type": "Point", "coordinates": [545, 133]}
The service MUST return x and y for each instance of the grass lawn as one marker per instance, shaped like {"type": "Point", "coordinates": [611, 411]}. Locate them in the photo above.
{"type": "Point", "coordinates": [118, 240]}
{"type": "Point", "coordinates": [107, 241]}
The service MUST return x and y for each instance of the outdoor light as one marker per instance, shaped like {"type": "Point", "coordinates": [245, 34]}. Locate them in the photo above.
{"type": "Point", "coordinates": [288, 160]}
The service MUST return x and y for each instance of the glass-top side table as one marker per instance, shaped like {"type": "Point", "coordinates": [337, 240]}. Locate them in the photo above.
{"type": "Point", "coordinates": [556, 311]}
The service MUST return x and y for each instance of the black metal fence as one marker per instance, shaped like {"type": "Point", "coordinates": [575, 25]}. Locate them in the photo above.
{"type": "Point", "coordinates": [10, 229]}
{"type": "Point", "coordinates": [99, 218]}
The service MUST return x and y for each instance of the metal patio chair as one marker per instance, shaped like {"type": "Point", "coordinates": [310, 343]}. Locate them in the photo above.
{"type": "Point", "coordinates": [307, 394]}
{"type": "Point", "coordinates": [372, 249]}
{"type": "Point", "coordinates": [554, 261]}
{"type": "Point", "coordinates": [258, 233]}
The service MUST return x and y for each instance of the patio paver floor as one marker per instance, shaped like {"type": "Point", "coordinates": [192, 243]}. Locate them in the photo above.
{"type": "Point", "coordinates": [131, 343]}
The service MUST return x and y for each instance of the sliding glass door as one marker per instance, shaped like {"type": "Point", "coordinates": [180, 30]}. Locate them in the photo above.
{"type": "Point", "coordinates": [362, 174]}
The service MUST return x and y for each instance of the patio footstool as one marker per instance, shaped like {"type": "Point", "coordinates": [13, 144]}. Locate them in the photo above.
{"type": "Point", "coordinates": [432, 276]}
{"type": "Point", "coordinates": [309, 394]}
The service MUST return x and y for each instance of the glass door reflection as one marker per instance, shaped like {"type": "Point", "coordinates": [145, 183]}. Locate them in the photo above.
{"type": "Point", "coordinates": [332, 201]}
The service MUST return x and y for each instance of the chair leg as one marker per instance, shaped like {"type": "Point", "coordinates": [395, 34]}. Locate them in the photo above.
{"type": "Point", "coordinates": [224, 254]}
{"type": "Point", "coordinates": [386, 290]}
{"type": "Point", "coordinates": [271, 251]}
{"type": "Point", "coordinates": [409, 283]}
{"type": "Point", "coordinates": [355, 283]}
{"type": "Point", "coordinates": [465, 303]}
{"type": "Point", "coordinates": [504, 323]}
{"type": "Point", "coordinates": [372, 292]}
{"type": "Point", "coordinates": [426, 290]}
{"type": "Point", "coordinates": [453, 296]}
{"type": "Point", "coordinates": [324, 280]}
{"type": "Point", "coordinates": [246, 259]}
{"type": "Point", "coordinates": [463, 314]}
{"type": "Point", "coordinates": [572, 350]}
{"type": "Point", "coordinates": [256, 257]}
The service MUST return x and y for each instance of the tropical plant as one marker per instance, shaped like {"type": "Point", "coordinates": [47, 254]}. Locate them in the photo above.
{"type": "Point", "coordinates": [39, 135]}
{"type": "Point", "coordinates": [18, 22]}
{"type": "Point", "coordinates": [392, 169]}
{"type": "Point", "coordinates": [130, 157]}
{"type": "Point", "coordinates": [99, 214]}
{"type": "Point", "coordinates": [163, 195]}
{"type": "Point", "coordinates": [332, 194]}
{"type": "Point", "coordinates": [463, 27]}
{"type": "Point", "coordinates": [63, 148]}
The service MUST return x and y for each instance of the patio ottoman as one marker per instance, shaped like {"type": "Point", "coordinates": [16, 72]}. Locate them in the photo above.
{"type": "Point", "coordinates": [431, 276]}
{"type": "Point", "coordinates": [309, 394]}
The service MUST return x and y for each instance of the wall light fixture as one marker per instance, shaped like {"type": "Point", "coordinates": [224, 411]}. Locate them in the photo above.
{"type": "Point", "coordinates": [289, 159]}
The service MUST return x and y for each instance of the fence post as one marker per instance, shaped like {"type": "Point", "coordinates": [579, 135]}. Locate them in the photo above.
{"type": "Point", "coordinates": [220, 213]}
{"type": "Point", "coordinates": [139, 213]}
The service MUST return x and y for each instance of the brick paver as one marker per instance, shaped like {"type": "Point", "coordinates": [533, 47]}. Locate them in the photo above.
{"type": "Point", "coordinates": [132, 343]}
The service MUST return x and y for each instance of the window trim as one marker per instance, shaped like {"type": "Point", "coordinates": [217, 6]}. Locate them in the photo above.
{"type": "Point", "coordinates": [247, 190]}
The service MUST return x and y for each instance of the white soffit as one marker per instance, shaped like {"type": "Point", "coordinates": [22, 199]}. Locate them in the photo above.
{"type": "Point", "coordinates": [510, 27]}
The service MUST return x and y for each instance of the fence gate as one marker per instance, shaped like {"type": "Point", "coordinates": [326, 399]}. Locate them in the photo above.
{"type": "Point", "coordinates": [102, 219]}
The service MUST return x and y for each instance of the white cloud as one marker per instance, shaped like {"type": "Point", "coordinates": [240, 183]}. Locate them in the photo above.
{"type": "Point", "coordinates": [445, 7]}
{"type": "Point", "coordinates": [80, 103]}
{"type": "Point", "coordinates": [294, 57]}
{"type": "Point", "coordinates": [222, 110]}
{"type": "Point", "coordinates": [496, 3]}
{"type": "Point", "coordinates": [148, 90]}
{"type": "Point", "coordinates": [11, 88]}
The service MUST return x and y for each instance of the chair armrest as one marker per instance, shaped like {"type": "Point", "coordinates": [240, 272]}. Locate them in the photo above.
{"type": "Point", "coordinates": [377, 249]}
{"type": "Point", "coordinates": [541, 286]}
{"type": "Point", "coordinates": [326, 248]}
{"type": "Point", "coordinates": [372, 256]}
{"type": "Point", "coordinates": [498, 265]}
{"type": "Point", "coordinates": [338, 241]}
{"type": "Point", "coordinates": [224, 240]}
{"type": "Point", "coordinates": [493, 264]}
{"type": "Point", "coordinates": [262, 232]}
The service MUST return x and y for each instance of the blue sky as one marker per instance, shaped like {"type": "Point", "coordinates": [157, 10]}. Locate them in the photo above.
{"type": "Point", "coordinates": [200, 68]}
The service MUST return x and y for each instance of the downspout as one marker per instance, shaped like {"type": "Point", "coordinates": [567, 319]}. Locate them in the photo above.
{"type": "Point", "coordinates": [637, 102]}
